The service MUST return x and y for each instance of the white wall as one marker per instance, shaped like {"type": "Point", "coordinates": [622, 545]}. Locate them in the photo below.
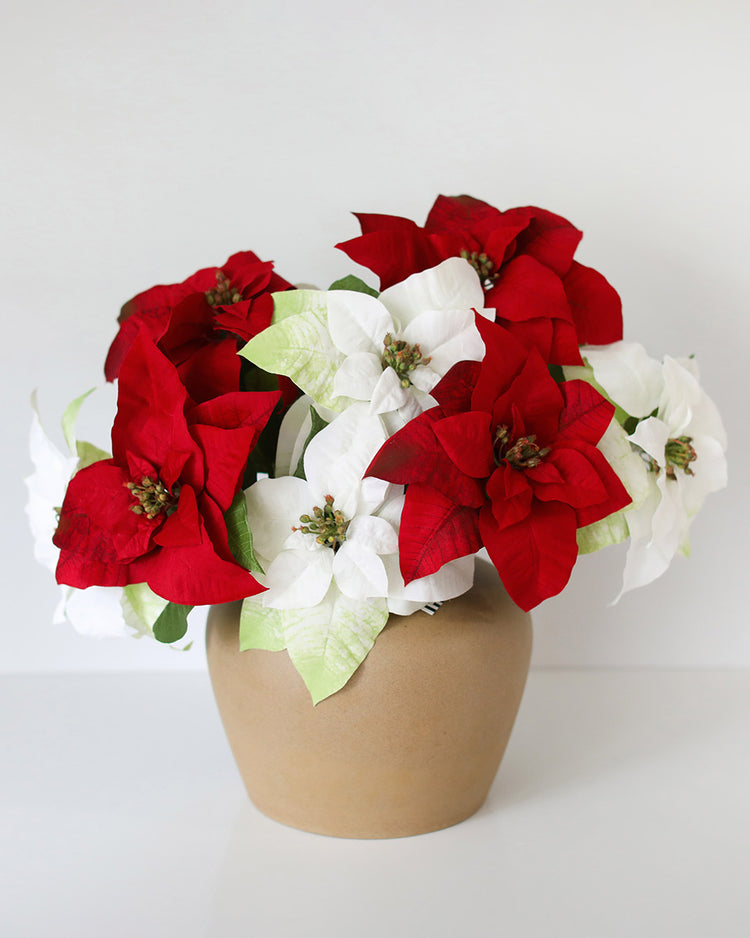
{"type": "Point", "coordinates": [147, 138]}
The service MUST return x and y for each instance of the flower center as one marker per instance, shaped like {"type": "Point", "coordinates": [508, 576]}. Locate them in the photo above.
{"type": "Point", "coordinates": [327, 524]}
{"type": "Point", "coordinates": [152, 497]}
{"type": "Point", "coordinates": [678, 454]}
{"type": "Point", "coordinates": [223, 294]}
{"type": "Point", "coordinates": [403, 358]}
{"type": "Point", "coordinates": [483, 266]}
{"type": "Point", "coordinates": [523, 453]}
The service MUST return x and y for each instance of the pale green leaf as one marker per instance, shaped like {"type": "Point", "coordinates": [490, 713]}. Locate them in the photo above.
{"type": "Point", "coordinates": [260, 627]}
{"type": "Point", "coordinates": [300, 347]}
{"type": "Point", "coordinates": [328, 649]}
{"type": "Point", "coordinates": [240, 535]}
{"type": "Point", "coordinates": [69, 417]}
{"type": "Point", "coordinates": [326, 642]}
{"type": "Point", "coordinates": [293, 302]}
{"type": "Point", "coordinates": [141, 607]}
{"type": "Point", "coordinates": [88, 454]}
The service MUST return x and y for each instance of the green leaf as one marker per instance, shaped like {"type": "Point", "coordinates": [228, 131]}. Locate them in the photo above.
{"type": "Point", "coordinates": [317, 425]}
{"type": "Point", "coordinates": [240, 535]}
{"type": "Point", "coordinates": [350, 282]}
{"type": "Point", "coordinates": [172, 623]}
{"type": "Point", "coordinates": [69, 417]}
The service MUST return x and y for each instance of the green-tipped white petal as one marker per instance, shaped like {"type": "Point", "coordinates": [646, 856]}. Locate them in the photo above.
{"type": "Point", "coordinates": [300, 347]}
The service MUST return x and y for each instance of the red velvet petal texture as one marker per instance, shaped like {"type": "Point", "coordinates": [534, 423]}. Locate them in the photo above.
{"type": "Point", "coordinates": [434, 530]}
{"type": "Point", "coordinates": [467, 440]}
{"type": "Point", "coordinates": [536, 556]}
{"type": "Point", "coordinates": [595, 306]}
{"type": "Point", "coordinates": [414, 454]}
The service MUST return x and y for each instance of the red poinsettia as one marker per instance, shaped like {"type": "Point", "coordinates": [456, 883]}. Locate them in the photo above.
{"type": "Point", "coordinates": [197, 323]}
{"type": "Point", "coordinates": [524, 257]}
{"type": "Point", "coordinates": [154, 512]}
{"type": "Point", "coordinates": [507, 461]}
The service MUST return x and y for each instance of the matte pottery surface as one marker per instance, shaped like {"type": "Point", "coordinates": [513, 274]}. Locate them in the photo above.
{"type": "Point", "coordinates": [411, 744]}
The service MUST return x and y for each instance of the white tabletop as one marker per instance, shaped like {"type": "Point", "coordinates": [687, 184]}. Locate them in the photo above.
{"type": "Point", "coordinates": [621, 809]}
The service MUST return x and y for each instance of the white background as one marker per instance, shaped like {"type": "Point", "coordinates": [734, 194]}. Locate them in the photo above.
{"type": "Point", "coordinates": [143, 140]}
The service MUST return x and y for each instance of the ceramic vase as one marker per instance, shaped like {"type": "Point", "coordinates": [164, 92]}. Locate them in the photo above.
{"type": "Point", "coordinates": [413, 741]}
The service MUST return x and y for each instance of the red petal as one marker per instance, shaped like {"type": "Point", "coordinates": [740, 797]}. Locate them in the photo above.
{"type": "Point", "coordinates": [616, 494]}
{"type": "Point", "coordinates": [211, 371]}
{"type": "Point", "coordinates": [183, 527]}
{"type": "Point", "coordinates": [150, 404]}
{"type": "Point", "coordinates": [414, 454]}
{"type": "Point", "coordinates": [433, 532]}
{"type": "Point", "coordinates": [96, 521]}
{"type": "Point", "coordinates": [453, 391]}
{"type": "Point", "coordinates": [393, 255]}
{"type": "Point", "coordinates": [466, 438]}
{"type": "Point", "coordinates": [537, 397]}
{"type": "Point", "coordinates": [526, 289]}
{"type": "Point", "coordinates": [586, 414]}
{"type": "Point", "coordinates": [510, 496]}
{"type": "Point", "coordinates": [247, 318]}
{"type": "Point", "coordinates": [549, 238]}
{"type": "Point", "coordinates": [579, 485]}
{"type": "Point", "coordinates": [460, 213]}
{"type": "Point", "coordinates": [193, 576]}
{"type": "Point", "coordinates": [226, 429]}
{"type": "Point", "coordinates": [536, 556]}
{"type": "Point", "coordinates": [504, 359]}
{"type": "Point", "coordinates": [595, 306]}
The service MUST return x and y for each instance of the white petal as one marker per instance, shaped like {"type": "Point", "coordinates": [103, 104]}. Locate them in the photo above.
{"type": "Point", "coordinates": [357, 322]}
{"type": "Point", "coordinates": [372, 494]}
{"type": "Point", "coordinates": [298, 578]}
{"type": "Point", "coordinates": [709, 474]}
{"type": "Point", "coordinates": [294, 430]}
{"type": "Point", "coordinates": [389, 394]}
{"type": "Point", "coordinates": [274, 507]}
{"type": "Point", "coordinates": [453, 284]}
{"type": "Point", "coordinates": [652, 435]}
{"type": "Point", "coordinates": [630, 377]}
{"type": "Point", "coordinates": [358, 376]}
{"type": "Point", "coordinates": [97, 611]}
{"type": "Point", "coordinates": [452, 579]}
{"type": "Point", "coordinates": [336, 459]}
{"type": "Point", "coordinates": [359, 572]}
{"type": "Point", "coordinates": [46, 488]}
{"type": "Point", "coordinates": [446, 336]}
{"type": "Point", "coordinates": [374, 533]}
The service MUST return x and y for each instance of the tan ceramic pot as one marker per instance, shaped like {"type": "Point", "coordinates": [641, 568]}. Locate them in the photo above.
{"type": "Point", "coordinates": [411, 744]}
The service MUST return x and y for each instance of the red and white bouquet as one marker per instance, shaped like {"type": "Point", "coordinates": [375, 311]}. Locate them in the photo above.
{"type": "Point", "coordinates": [333, 456]}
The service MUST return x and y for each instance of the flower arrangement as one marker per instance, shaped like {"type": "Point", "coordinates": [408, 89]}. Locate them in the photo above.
{"type": "Point", "coordinates": [330, 457]}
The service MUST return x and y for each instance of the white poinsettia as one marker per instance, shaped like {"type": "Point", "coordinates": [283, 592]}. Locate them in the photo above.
{"type": "Point", "coordinates": [329, 546]}
{"type": "Point", "coordinates": [99, 610]}
{"type": "Point", "coordinates": [681, 440]}
{"type": "Point", "coordinates": [341, 346]}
